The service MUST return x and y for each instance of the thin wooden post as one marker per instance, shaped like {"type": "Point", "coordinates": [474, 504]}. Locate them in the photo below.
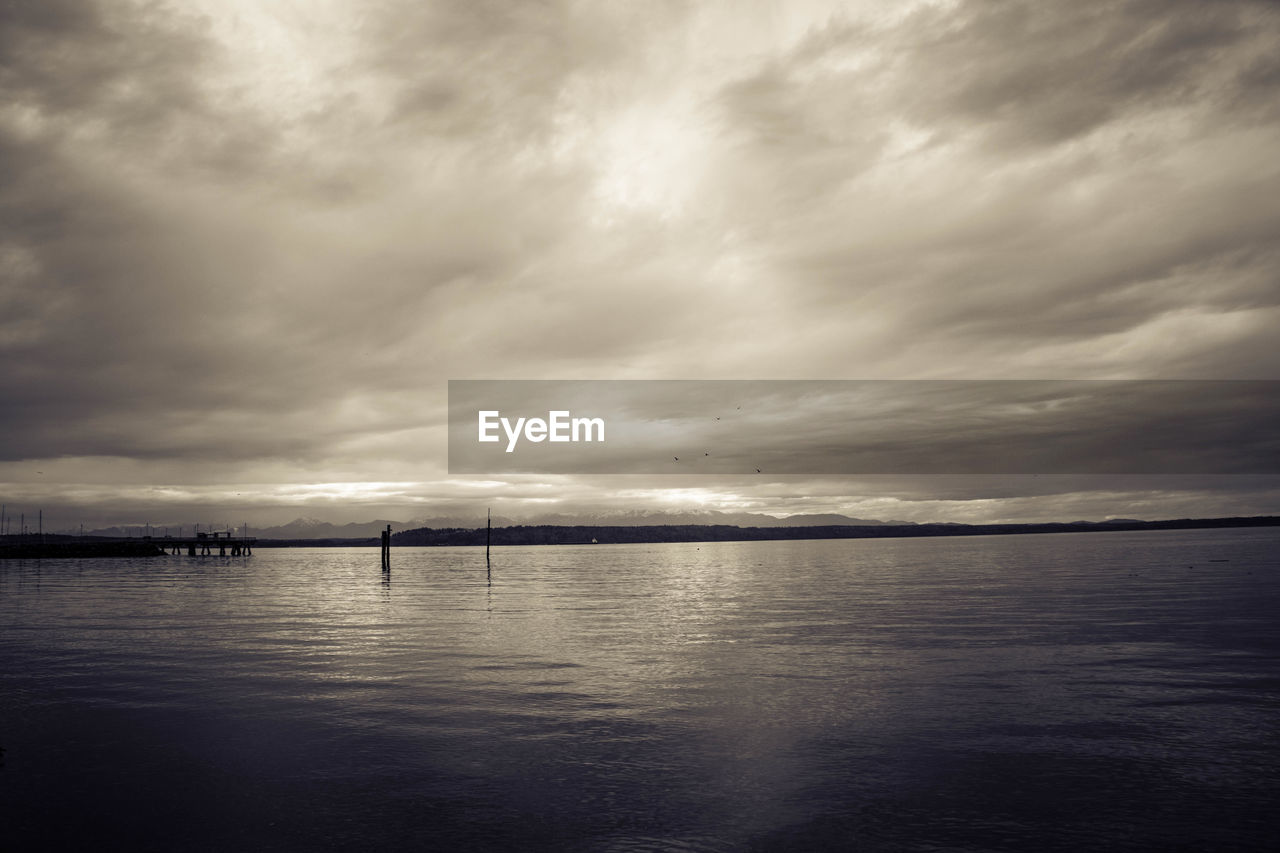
{"type": "Point", "coordinates": [488, 535]}
{"type": "Point", "coordinates": [386, 549]}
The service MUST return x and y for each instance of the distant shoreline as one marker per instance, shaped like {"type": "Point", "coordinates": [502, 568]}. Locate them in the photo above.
{"type": "Point", "coordinates": [551, 534]}
{"type": "Point", "coordinates": [30, 546]}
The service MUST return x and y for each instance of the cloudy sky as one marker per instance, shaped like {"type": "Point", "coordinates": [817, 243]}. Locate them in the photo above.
{"type": "Point", "coordinates": [245, 245]}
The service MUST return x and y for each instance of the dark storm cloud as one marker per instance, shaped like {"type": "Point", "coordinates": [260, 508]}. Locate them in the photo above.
{"type": "Point", "coordinates": [112, 331]}
{"type": "Point", "coordinates": [1019, 177]}
{"type": "Point", "coordinates": [134, 78]}
{"type": "Point", "coordinates": [468, 69]}
{"type": "Point", "coordinates": [1028, 73]}
{"type": "Point", "coordinates": [1046, 73]}
{"type": "Point", "coordinates": [69, 56]}
{"type": "Point", "coordinates": [161, 300]}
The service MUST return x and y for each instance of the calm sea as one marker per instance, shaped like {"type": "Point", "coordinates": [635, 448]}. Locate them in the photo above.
{"type": "Point", "coordinates": [1114, 691]}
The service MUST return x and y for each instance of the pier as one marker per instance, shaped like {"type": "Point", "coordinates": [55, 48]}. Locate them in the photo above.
{"type": "Point", "coordinates": [11, 548]}
{"type": "Point", "coordinates": [52, 546]}
{"type": "Point", "coordinates": [203, 544]}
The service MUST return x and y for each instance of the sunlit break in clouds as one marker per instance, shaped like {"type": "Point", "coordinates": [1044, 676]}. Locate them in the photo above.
{"type": "Point", "coordinates": [244, 246]}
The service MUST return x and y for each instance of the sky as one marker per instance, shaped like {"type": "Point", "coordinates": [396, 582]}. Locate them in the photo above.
{"type": "Point", "coordinates": [244, 246]}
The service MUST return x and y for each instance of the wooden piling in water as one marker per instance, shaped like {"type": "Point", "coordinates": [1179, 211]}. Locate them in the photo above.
{"type": "Point", "coordinates": [386, 549]}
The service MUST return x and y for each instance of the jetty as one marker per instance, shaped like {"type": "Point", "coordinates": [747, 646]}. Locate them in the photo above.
{"type": "Point", "coordinates": [34, 546]}
{"type": "Point", "coordinates": [203, 544]}
{"type": "Point", "coordinates": [70, 547]}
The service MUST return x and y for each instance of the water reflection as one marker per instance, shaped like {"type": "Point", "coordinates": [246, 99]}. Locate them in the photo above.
{"type": "Point", "coordinates": [987, 693]}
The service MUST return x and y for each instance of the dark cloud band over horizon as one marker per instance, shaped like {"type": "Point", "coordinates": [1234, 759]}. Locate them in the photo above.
{"type": "Point", "coordinates": [906, 427]}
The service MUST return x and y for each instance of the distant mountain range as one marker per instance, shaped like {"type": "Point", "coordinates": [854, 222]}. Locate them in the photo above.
{"type": "Point", "coordinates": [310, 528]}
{"type": "Point", "coordinates": [665, 527]}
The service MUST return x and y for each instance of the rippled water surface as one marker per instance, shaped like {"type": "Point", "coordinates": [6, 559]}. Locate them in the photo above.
{"type": "Point", "coordinates": [1051, 692]}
